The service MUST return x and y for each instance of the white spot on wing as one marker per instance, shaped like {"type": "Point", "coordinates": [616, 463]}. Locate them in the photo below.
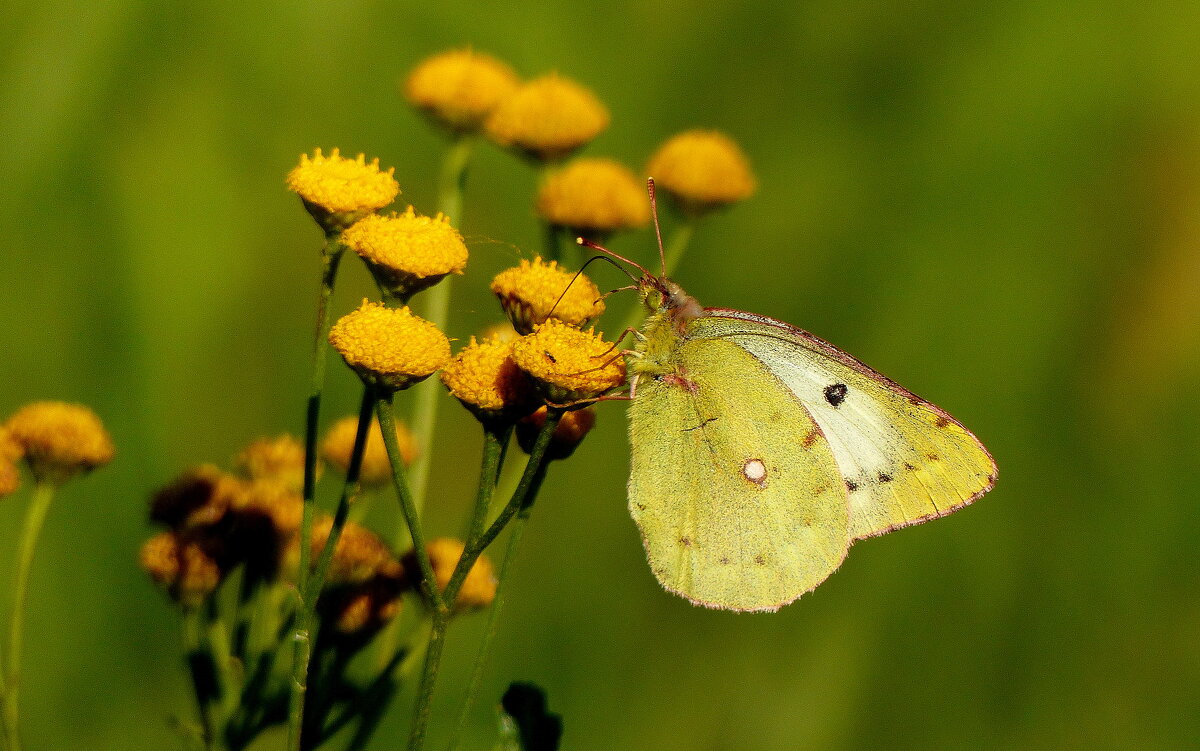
{"type": "Point", "coordinates": [755, 471]}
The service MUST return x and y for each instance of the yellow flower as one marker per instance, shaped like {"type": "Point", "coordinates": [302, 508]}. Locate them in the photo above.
{"type": "Point", "coordinates": [376, 470]}
{"type": "Point", "coordinates": [356, 612]}
{"type": "Point", "coordinates": [10, 477]}
{"type": "Point", "coordinates": [570, 432]}
{"type": "Point", "coordinates": [407, 252]}
{"type": "Point", "coordinates": [359, 554]}
{"type": "Point", "coordinates": [569, 365]}
{"type": "Point", "coordinates": [10, 454]}
{"type": "Point", "coordinates": [548, 118]}
{"type": "Point", "coordinates": [529, 292]}
{"type": "Point", "coordinates": [594, 197]}
{"type": "Point", "coordinates": [502, 331]}
{"type": "Point", "coordinates": [703, 170]}
{"type": "Point", "coordinates": [280, 459]}
{"type": "Point", "coordinates": [182, 567]}
{"type": "Point", "coordinates": [459, 88]}
{"type": "Point", "coordinates": [339, 191]}
{"type": "Point", "coordinates": [60, 440]}
{"type": "Point", "coordinates": [199, 497]}
{"type": "Point", "coordinates": [389, 347]}
{"type": "Point", "coordinates": [485, 379]}
{"type": "Point", "coordinates": [478, 588]}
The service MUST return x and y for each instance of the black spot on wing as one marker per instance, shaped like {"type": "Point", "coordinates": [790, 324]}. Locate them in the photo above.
{"type": "Point", "coordinates": [836, 394]}
{"type": "Point", "coordinates": [851, 485]}
{"type": "Point", "coordinates": [885, 477]}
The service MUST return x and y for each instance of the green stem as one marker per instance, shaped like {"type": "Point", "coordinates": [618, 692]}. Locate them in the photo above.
{"type": "Point", "coordinates": [202, 670]}
{"type": "Point", "coordinates": [494, 439]}
{"type": "Point", "coordinates": [331, 255]}
{"type": "Point", "coordinates": [522, 498]}
{"type": "Point", "coordinates": [426, 396]}
{"type": "Point", "coordinates": [677, 245]}
{"type": "Point", "coordinates": [387, 425]}
{"type": "Point", "coordinates": [310, 589]}
{"type": "Point", "coordinates": [35, 515]}
{"type": "Point", "coordinates": [551, 242]}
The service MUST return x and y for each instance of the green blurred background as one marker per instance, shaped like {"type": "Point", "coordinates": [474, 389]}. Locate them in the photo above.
{"type": "Point", "coordinates": [997, 204]}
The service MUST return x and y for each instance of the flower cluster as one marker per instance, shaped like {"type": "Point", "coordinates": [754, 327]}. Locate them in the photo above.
{"type": "Point", "coordinates": [56, 440]}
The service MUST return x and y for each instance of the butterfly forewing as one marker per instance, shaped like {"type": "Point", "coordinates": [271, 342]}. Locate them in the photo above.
{"type": "Point", "coordinates": [902, 459]}
{"type": "Point", "coordinates": [739, 500]}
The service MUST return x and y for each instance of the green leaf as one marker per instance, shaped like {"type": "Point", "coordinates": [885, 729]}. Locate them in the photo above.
{"type": "Point", "coordinates": [525, 725]}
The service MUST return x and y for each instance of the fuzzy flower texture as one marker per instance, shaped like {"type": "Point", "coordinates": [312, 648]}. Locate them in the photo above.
{"type": "Point", "coordinates": [407, 252]}
{"type": "Point", "coordinates": [484, 378]}
{"type": "Point", "coordinates": [389, 347]}
{"type": "Point", "coordinates": [339, 191]}
{"type": "Point", "coordinates": [569, 365]}
{"type": "Point", "coordinates": [534, 291]}
{"type": "Point", "coordinates": [458, 89]}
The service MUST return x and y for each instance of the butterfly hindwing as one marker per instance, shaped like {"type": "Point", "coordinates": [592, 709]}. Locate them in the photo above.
{"type": "Point", "coordinates": [902, 459]}
{"type": "Point", "coordinates": [739, 499]}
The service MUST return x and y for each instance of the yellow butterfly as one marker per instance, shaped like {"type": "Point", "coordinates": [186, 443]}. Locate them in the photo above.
{"type": "Point", "coordinates": [760, 453]}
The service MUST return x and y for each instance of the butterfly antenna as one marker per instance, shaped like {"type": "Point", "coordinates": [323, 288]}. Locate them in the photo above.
{"type": "Point", "coordinates": [579, 273]}
{"type": "Point", "coordinates": [589, 244]}
{"type": "Point", "coordinates": [662, 256]}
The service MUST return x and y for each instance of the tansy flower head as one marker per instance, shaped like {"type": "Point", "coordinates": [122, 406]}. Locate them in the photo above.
{"type": "Point", "coordinates": [356, 612]}
{"type": "Point", "coordinates": [459, 88]}
{"type": "Point", "coordinates": [485, 379]}
{"type": "Point", "coordinates": [10, 454]}
{"type": "Point", "coordinates": [593, 197]}
{"type": "Point", "coordinates": [60, 440]}
{"type": "Point", "coordinates": [359, 554]}
{"type": "Point", "coordinates": [376, 470]}
{"type": "Point", "coordinates": [280, 459]}
{"type": "Point", "coordinates": [702, 170]}
{"type": "Point", "coordinates": [570, 365]}
{"type": "Point", "coordinates": [180, 566]}
{"type": "Point", "coordinates": [10, 477]}
{"type": "Point", "coordinates": [547, 118]}
{"type": "Point", "coordinates": [532, 292]}
{"type": "Point", "coordinates": [339, 191]}
{"type": "Point", "coordinates": [478, 588]}
{"type": "Point", "coordinates": [570, 432]}
{"type": "Point", "coordinates": [199, 497]}
{"type": "Point", "coordinates": [263, 518]}
{"type": "Point", "coordinates": [389, 347]}
{"type": "Point", "coordinates": [407, 252]}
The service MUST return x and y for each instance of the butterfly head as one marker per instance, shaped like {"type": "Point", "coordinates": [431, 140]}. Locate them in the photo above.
{"type": "Point", "coordinates": [666, 297]}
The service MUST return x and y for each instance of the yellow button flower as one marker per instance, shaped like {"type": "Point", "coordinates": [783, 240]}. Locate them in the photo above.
{"type": "Point", "coordinates": [356, 612]}
{"type": "Point", "coordinates": [10, 477]}
{"type": "Point", "coordinates": [182, 567]}
{"type": "Point", "coordinates": [339, 191]}
{"type": "Point", "coordinates": [376, 469]}
{"type": "Point", "coordinates": [570, 365]}
{"type": "Point", "coordinates": [570, 432]}
{"type": "Point", "coordinates": [459, 88]}
{"type": "Point", "coordinates": [478, 588]}
{"type": "Point", "coordinates": [199, 497]}
{"type": "Point", "coordinates": [60, 440]}
{"type": "Point", "coordinates": [703, 170]}
{"type": "Point", "coordinates": [10, 454]}
{"type": "Point", "coordinates": [532, 292]}
{"type": "Point", "coordinates": [485, 379]}
{"type": "Point", "coordinates": [407, 252]}
{"type": "Point", "coordinates": [359, 554]}
{"type": "Point", "coordinates": [280, 458]}
{"type": "Point", "coordinates": [593, 197]}
{"type": "Point", "coordinates": [389, 347]}
{"type": "Point", "coordinates": [548, 118]}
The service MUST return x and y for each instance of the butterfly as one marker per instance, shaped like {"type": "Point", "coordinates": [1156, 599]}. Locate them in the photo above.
{"type": "Point", "coordinates": [761, 453]}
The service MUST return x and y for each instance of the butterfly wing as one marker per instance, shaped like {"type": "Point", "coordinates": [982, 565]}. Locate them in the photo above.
{"type": "Point", "coordinates": [903, 460]}
{"type": "Point", "coordinates": [733, 485]}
